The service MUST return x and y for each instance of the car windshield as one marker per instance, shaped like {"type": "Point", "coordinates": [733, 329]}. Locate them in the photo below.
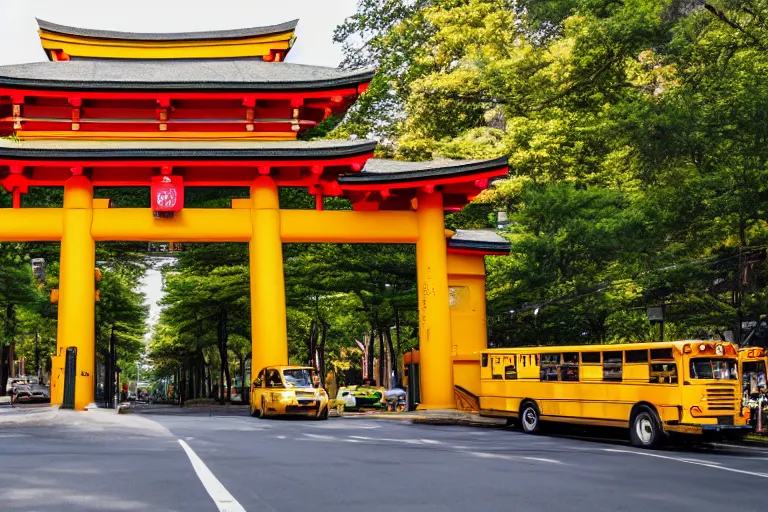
{"type": "Point", "coordinates": [297, 378]}
{"type": "Point", "coordinates": [718, 369]}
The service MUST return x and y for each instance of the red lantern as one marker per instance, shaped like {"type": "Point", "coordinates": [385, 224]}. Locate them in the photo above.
{"type": "Point", "coordinates": [167, 195]}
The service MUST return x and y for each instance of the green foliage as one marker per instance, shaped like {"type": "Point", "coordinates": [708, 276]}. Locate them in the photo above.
{"type": "Point", "coordinates": [636, 137]}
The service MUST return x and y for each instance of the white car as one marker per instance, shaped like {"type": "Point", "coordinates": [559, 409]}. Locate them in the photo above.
{"type": "Point", "coordinates": [14, 381]}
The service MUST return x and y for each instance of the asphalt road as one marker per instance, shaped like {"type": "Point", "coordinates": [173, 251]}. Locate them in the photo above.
{"type": "Point", "coordinates": [358, 464]}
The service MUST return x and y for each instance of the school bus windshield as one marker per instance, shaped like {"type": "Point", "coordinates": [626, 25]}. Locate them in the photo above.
{"type": "Point", "coordinates": [717, 369]}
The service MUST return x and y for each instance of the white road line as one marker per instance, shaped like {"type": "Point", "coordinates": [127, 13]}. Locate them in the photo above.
{"type": "Point", "coordinates": [386, 440]}
{"type": "Point", "coordinates": [485, 455]}
{"type": "Point", "coordinates": [690, 461]}
{"type": "Point", "coordinates": [320, 437]}
{"type": "Point", "coordinates": [742, 447]}
{"type": "Point", "coordinates": [224, 501]}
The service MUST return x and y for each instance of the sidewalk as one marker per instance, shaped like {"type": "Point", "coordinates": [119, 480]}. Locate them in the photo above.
{"type": "Point", "coordinates": [92, 420]}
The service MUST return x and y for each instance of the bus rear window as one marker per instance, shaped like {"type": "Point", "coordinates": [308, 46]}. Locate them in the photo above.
{"type": "Point", "coordinates": [717, 369]}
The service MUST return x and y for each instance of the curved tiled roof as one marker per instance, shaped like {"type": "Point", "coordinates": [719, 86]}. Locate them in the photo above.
{"type": "Point", "coordinates": [211, 35]}
{"type": "Point", "coordinates": [187, 75]}
{"type": "Point", "coordinates": [183, 150]}
{"type": "Point", "coordinates": [380, 171]}
{"type": "Point", "coordinates": [478, 240]}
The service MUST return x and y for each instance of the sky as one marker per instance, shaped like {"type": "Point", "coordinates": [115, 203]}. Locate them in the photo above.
{"type": "Point", "coordinates": [19, 42]}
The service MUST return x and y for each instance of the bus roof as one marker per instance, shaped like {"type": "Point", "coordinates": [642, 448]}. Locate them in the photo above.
{"type": "Point", "coordinates": [678, 344]}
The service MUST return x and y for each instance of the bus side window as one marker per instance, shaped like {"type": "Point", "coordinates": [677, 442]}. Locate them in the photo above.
{"type": "Point", "coordinates": [550, 367]}
{"type": "Point", "coordinates": [636, 356]}
{"type": "Point", "coordinates": [510, 367]}
{"type": "Point", "coordinates": [612, 366]}
{"type": "Point", "coordinates": [664, 354]}
{"type": "Point", "coordinates": [590, 358]}
{"type": "Point", "coordinates": [570, 368]}
{"type": "Point", "coordinates": [496, 368]}
{"type": "Point", "coordinates": [663, 373]}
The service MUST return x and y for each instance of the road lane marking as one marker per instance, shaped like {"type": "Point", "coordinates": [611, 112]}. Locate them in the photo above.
{"type": "Point", "coordinates": [387, 440]}
{"type": "Point", "coordinates": [486, 455]}
{"type": "Point", "coordinates": [320, 437]}
{"type": "Point", "coordinates": [742, 447]}
{"type": "Point", "coordinates": [224, 501]}
{"type": "Point", "coordinates": [713, 465]}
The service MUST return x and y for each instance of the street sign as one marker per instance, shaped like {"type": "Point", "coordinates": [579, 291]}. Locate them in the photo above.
{"type": "Point", "coordinates": [656, 314]}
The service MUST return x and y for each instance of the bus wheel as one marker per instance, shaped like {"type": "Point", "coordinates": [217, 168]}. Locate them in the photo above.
{"type": "Point", "coordinates": [254, 411]}
{"type": "Point", "coordinates": [529, 418]}
{"type": "Point", "coordinates": [323, 414]}
{"type": "Point", "coordinates": [645, 431]}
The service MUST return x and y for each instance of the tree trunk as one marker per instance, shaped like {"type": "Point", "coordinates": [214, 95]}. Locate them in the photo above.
{"type": "Point", "coordinates": [245, 387]}
{"type": "Point", "coordinates": [6, 363]}
{"type": "Point", "coordinates": [209, 371]}
{"type": "Point", "coordinates": [398, 353]}
{"type": "Point", "coordinates": [392, 355]}
{"type": "Point", "coordinates": [220, 327]}
{"type": "Point", "coordinates": [371, 350]}
{"type": "Point", "coordinates": [4, 356]}
{"type": "Point", "coordinates": [203, 375]}
{"type": "Point", "coordinates": [321, 355]}
{"type": "Point", "coordinates": [224, 334]}
{"type": "Point", "coordinates": [109, 378]}
{"type": "Point", "coordinates": [312, 343]}
{"type": "Point", "coordinates": [382, 356]}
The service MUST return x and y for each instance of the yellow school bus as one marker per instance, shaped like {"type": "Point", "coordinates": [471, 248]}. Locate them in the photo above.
{"type": "Point", "coordinates": [653, 389]}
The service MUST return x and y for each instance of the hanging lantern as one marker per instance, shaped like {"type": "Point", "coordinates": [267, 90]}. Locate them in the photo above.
{"type": "Point", "coordinates": [167, 195]}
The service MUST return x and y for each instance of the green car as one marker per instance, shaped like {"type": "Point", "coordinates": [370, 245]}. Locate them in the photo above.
{"type": "Point", "coordinates": [359, 398]}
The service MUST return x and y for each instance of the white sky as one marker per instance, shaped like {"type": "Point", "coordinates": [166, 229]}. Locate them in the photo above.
{"type": "Point", "coordinates": [19, 42]}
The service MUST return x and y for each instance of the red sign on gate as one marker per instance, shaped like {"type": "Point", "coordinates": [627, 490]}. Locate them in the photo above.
{"type": "Point", "coordinates": [167, 193]}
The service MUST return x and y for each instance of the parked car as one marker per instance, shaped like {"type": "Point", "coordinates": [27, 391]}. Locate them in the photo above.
{"type": "Point", "coordinates": [28, 393]}
{"type": "Point", "coordinates": [288, 390]}
{"type": "Point", "coordinates": [13, 381]}
{"type": "Point", "coordinates": [359, 398]}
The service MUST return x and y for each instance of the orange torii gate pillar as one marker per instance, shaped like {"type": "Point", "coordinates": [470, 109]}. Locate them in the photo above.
{"type": "Point", "coordinates": [434, 306]}
{"type": "Point", "coordinates": [269, 331]}
{"type": "Point", "coordinates": [77, 294]}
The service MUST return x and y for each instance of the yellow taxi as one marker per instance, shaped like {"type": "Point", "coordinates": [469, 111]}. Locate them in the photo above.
{"type": "Point", "coordinates": [288, 391]}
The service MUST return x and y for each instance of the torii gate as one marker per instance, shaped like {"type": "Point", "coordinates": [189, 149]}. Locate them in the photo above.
{"type": "Point", "coordinates": [174, 124]}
